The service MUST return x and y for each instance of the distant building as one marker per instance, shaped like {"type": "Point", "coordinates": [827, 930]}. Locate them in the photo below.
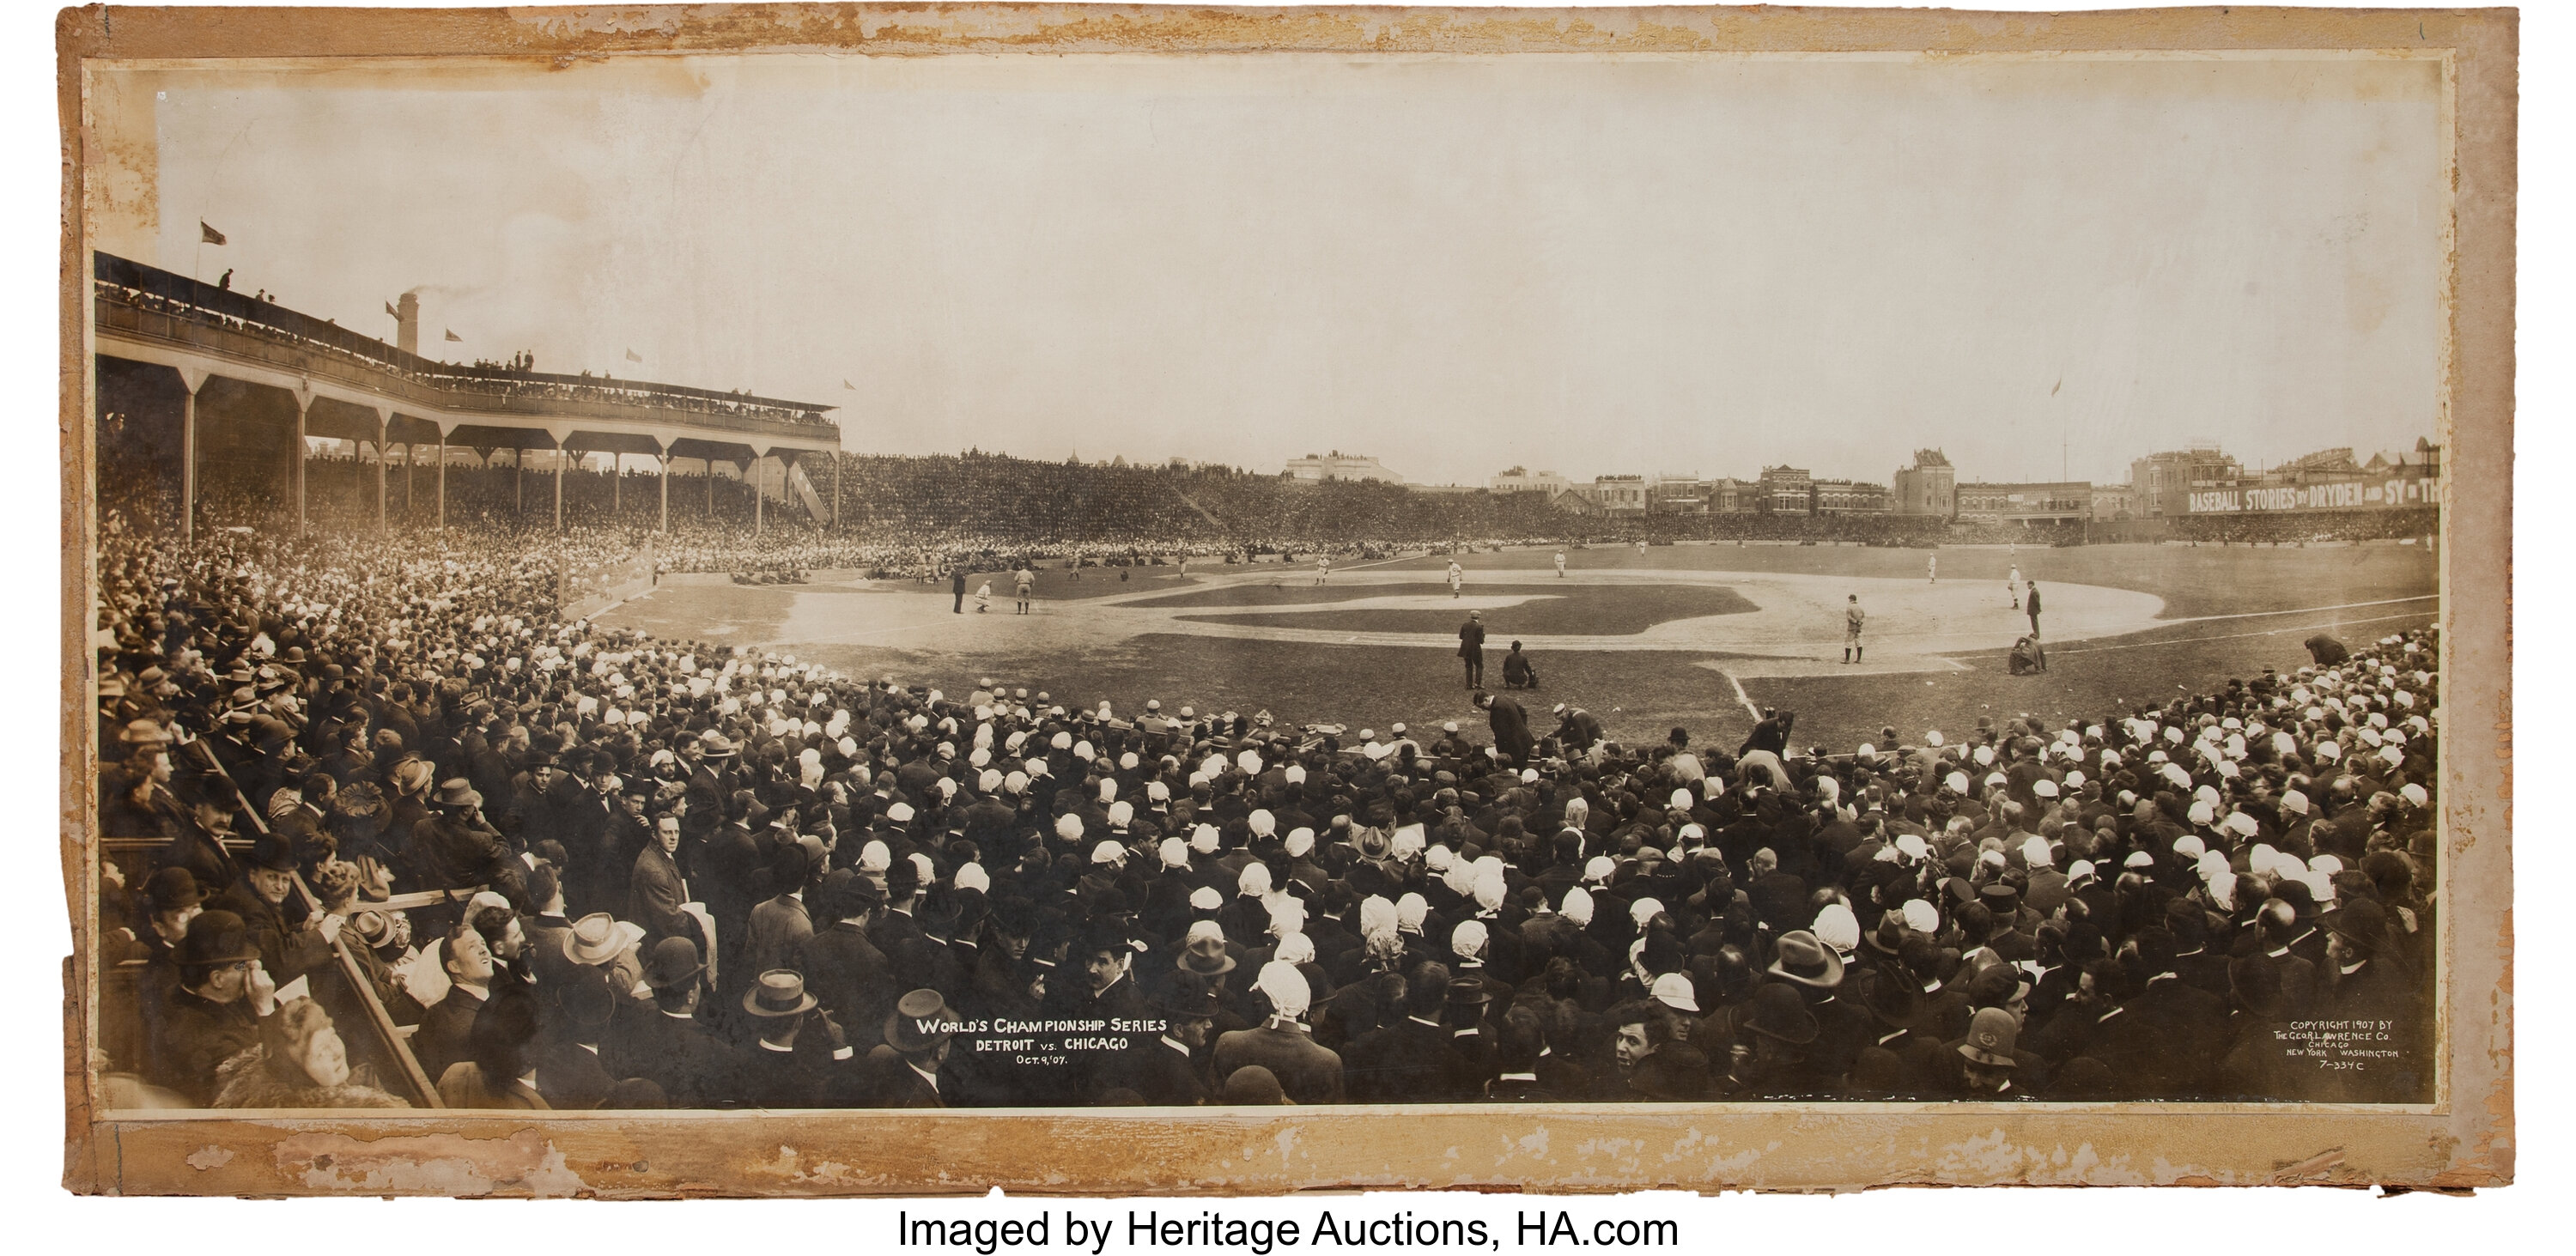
{"type": "Point", "coordinates": [2060, 501]}
{"type": "Point", "coordinates": [1783, 490]}
{"type": "Point", "coordinates": [1929, 487]}
{"type": "Point", "coordinates": [1316, 468]}
{"type": "Point", "coordinates": [1522, 480]}
{"type": "Point", "coordinates": [1846, 497]}
{"type": "Point", "coordinates": [2328, 479]}
{"type": "Point", "coordinates": [2114, 501]}
{"type": "Point", "coordinates": [2163, 482]}
{"type": "Point", "coordinates": [1793, 491]}
{"type": "Point", "coordinates": [1616, 494]}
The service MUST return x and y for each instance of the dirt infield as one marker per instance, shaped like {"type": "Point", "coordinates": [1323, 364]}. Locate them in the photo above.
{"type": "Point", "coordinates": [2172, 619]}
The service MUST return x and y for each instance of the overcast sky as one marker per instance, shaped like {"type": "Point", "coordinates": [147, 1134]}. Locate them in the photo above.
{"type": "Point", "coordinates": [1585, 264]}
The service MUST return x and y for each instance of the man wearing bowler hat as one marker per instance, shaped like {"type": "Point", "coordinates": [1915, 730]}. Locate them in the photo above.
{"type": "Point", "coordinates": [287, 950]}
{"type": "Point", "coordinates": [1169, 1071]}
{"type": "Point", "coordinates": [801, 1059]}
{"type": "Point", "coordinates": [909, 1071]}
{"type": "Point", "coordinates": [215, 1014]}
{"type": "Point", "coordinates": [669, 1045]}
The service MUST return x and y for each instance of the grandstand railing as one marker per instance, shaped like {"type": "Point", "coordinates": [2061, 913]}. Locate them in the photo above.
{"type": "Point", "coordinates": [153, 304]}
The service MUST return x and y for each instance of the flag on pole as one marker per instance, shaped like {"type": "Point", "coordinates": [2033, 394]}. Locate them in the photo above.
{"type": "Point", "coordinates": [845, 383]}
{"type": "Point", "coordinates": [208, 235]}
{"type": "Point", "coordinates": [633, 356]}
{"type": "Point", "coordinates": [451, 334]}
{"type": "Point", "coordinates": [391, 312]}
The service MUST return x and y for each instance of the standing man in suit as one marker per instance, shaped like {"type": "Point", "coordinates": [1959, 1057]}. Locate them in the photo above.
{"type": "Point", "coordinates": [909, 1071]}
{"type": "Point", "coordinates": [957, 586]}
{"type": "Point", "coordinates": [669, 1045]}
{"type": "Point", "coordinates": [1471, 647]}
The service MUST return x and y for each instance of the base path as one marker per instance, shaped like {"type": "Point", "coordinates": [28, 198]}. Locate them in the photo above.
{"type": "Point", "coordinates": [1795, 626]}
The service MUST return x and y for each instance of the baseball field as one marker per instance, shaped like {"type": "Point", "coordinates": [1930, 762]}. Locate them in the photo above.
{"type": "Point", "coordinates": [1695, 635]}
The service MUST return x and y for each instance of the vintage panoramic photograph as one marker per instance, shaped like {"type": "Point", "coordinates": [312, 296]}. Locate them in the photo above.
{"type": "Point", "coordinates": [776, 582]}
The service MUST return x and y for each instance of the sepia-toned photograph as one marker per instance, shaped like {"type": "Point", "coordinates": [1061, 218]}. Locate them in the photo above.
{"type": "Point", "coordinates": [766, 581]}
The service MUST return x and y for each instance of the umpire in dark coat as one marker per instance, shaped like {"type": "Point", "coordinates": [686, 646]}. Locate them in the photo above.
{"type": "Point", "coordinates": [1471, 647]}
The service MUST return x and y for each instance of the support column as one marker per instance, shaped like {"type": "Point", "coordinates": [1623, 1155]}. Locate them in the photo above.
{"type": "Point", "coordinates": [665, 457]}
{"type": "Point", "coordinates": [384, 424]}
{"type": "Point", "coordinates": [442, 477]}
{"type": "Point", "coordinates": [411, 457]}
{"type": "Point", "coordinates": [759, 508]}
{"type": "Point", "coordinates": [519, 477]}
{"type": "Point", "coordinates": [303, 404]}
{"type": "Point", "coordinates": [562, 438]}
{"type": "Point", "coordinates": [616, 484]}
{"type": "Point", "coordinates": [836, 488]}
{"type": "Point", "coordinates": [711, 488]}
{"type": "Point", "coordinates": [192, 381]}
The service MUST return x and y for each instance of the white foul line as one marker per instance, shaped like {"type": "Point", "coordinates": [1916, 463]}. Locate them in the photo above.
{"type": "Point", "coordinates": [1750, 709]}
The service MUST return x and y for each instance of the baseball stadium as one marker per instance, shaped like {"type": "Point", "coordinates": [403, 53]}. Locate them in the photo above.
{"type": "Point", "coordinates": [493, 716]}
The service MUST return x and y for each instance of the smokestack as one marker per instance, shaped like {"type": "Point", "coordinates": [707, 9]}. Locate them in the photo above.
{"type": "Point", "coordinates": [407, 322]}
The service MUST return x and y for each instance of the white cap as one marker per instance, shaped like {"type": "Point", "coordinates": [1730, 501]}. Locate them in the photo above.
{"type": "Point", "coordinates": [1068, 826]}
{"type": "Point", "coordinates": [1836, 927]}
{"type": "Point", "coordinates": [1468, 940]}
{"type": "Point", "coordinates": [1577, 906]}
{"type": "Point", "coordinates": [1921, 916]}
{"type": "Point", "coordinates": [1175, 853]}
{"type": "Point", "coordinates": [1108, 852]}
{"type": "Point", "coordinates": [1254, 879]}
{"type": "Point", "coordinates": [1263, 823]}
{"type": "Point", "coordinates": [1674, 990]}
{"type": "Point", "coordinates": [1205, 898]}
{"type": "Point", "coordinates": [1300, 841]}
{"type": "Point", "coordinates": [1410, 910]}
{"type": "Point", "coordinates": [1286, 988]}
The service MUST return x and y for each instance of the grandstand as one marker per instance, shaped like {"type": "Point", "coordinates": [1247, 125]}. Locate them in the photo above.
{"type": "Point", "coordinates": [263, 357]}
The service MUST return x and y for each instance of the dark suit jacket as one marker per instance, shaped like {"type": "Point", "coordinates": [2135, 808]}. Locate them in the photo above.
{"type": "Point", "coordinates": [202, 1035]}
{"type": "Point", "coordinates": [889, 1082]}
{"type": "Point", "coordinates": [2166, 1043]}
{"type": "Point", "coordinates": [694, 1068]}
{"type": "Point", "coordinates": [572, 1078]}
{"type": "Point", "coordinates": [1166, 1076]}
{"type": "Point", "coordinates": [852, 980]}
{"type": "Point", "coordinates": [1405, 1062]}
{"type": "Point", "coordinates": [441, 1039]}
{"type": "Point", "coordinates": [805, 1077]}
{"type": "Point", "coordinates": [1308, 1073]}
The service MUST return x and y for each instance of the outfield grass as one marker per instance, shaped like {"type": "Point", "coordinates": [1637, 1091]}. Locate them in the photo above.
{"type": "Point", "coordinates": [1638, 694]}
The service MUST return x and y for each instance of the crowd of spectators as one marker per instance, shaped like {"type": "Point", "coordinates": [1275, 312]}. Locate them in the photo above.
{"type": "Point", "coordinates": [578, 868]}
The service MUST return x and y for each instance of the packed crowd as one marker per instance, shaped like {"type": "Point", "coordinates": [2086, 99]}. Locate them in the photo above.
{"type": "Point", "coordinates": [582, 869]}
